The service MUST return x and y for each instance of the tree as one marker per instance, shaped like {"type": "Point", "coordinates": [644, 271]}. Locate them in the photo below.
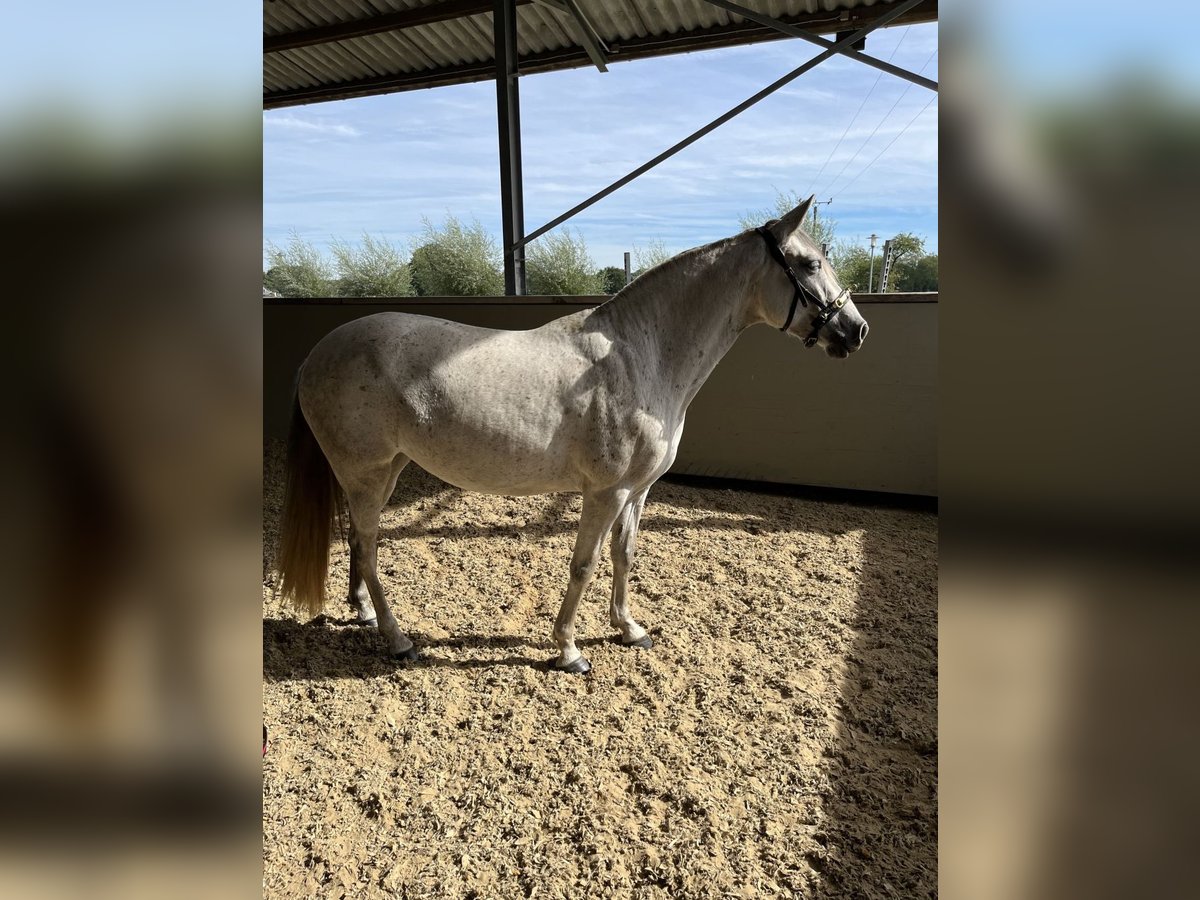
{"type": "Point", "coordinates": [921, 275]}
{"type": "Point", "coordinates": [853, 266]}
{"type": "Point", "coordinates": [653, 254]}
{"type": "Point", "coordinates": [298, 270]}
{"type": "Point", "coordinates": [613, 279]}
{"type": "Point", "coordinates": [420, 264]}
{"type": "Point", "coordinates": [457, 260]}
{"type": "Point", "coordinates": [374, 269]}
{"type": "Point", "coordinates": [907, 249]}
{"type": "Point", "coordinates": [558, 264]}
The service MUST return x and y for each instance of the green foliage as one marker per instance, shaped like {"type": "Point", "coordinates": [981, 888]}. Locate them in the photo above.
{"type": "Point", "coordinates": [853, 265]}
{"type": "Point", "coordinates": [912, 269]}
{"type": "Point", "coordinates": [558, 264]}
{"type": "Point", "coordinates": [920, 275]}
{"type": "Point", "coordinates": [419, 266]}
{"type": "Point", "coordinates": [373, 269]}
{"type": "Point", "coordinates": [298, 270]}
{"type": "Point", "coordinates": [653, 254]}
{"type": "Point", "coordinates": [907, 249]}
{"type": "Point", "coordinates": [457, 260]}
{"type": "Point", "coordinates": [613, 278]}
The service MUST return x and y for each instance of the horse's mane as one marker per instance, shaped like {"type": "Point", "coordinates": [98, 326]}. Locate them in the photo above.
{"type": "Point", "coordinates": [670, 268]}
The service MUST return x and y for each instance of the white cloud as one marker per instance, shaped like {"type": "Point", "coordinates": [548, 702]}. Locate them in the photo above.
{"type": "Point", "coordinates": [295, 123]}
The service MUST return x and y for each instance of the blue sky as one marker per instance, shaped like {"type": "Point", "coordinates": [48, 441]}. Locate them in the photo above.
{"type": "Point", "coordinates": [1077, 47]}
{"type": "Point", "coordinates": [335, 170]}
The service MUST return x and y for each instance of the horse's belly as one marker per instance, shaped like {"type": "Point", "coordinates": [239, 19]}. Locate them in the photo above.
{"type": "Point", "coordinates": [493, 462]}
{"type": "Point", "coordinates": [498, 477]}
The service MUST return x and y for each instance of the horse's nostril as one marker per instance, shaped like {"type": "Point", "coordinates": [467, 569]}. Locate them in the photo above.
{"type": "Point", "coordinates": [862, 333]}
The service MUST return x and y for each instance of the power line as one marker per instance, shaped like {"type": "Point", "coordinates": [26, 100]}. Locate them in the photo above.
{"type": "Point", "coordinates": [889, 146]}
{"type": "Point", "coordinates": [850, 125]}
{"type": "Point", "coordinates": [886, 115]}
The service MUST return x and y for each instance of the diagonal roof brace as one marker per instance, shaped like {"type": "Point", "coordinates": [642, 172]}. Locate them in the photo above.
{"type": "Point", "coordinates": [589, 38]}
{"type": "Point", "coordinates": [794, 31]}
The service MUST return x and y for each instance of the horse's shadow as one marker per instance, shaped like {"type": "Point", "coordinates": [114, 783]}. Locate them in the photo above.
{"type": "Point", "coordinates": [560, 515]}
{"type": "Point", "coordinates": [429, 500]}
{"type": "Point", "coordinates": [328, 647]}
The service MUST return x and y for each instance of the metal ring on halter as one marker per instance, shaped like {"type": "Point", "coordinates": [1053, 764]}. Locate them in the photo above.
{"type": "Point", "coordinates": [802, 294]}
{"type": "Point", "coordinates": [822, 318]}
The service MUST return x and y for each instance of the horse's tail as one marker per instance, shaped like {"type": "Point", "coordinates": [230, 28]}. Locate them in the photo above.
{"type": "Point", "coordinates": [309, 508]}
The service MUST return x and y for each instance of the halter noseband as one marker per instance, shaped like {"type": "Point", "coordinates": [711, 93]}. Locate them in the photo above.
{"type": "Point", "coordinates": [826, 311]}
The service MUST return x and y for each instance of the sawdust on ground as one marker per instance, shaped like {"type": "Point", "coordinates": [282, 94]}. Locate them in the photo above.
{"type": "Point", "coordinates": [779, 740]}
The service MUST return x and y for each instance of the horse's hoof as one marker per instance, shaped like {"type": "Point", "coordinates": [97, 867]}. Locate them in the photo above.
{"type": "Point", "coordinates": [643, 643]}
{"type": "Point", "coordinates": [409, 655]}
{"type": "Point", "coordinates": [367, 623]}
{"type": "Point", "coordinates": [577, 666]}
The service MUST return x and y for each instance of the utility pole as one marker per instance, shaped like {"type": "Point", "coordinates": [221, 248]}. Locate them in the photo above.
{"type": "Point", "coordinates": [815, 204]}
{"type": "Point", "coordinates": [871, 275]}
{"type": "Point", "coordinates": [628, 273]}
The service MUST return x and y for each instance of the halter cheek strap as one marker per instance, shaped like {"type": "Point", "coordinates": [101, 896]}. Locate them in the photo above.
{"type": "Point", "coordinates": [825, 311]}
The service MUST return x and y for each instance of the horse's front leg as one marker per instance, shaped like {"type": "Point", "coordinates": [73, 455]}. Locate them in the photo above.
{"type": "Point", "coordinates": [624, 541]}
{"type": "Point", "coordinates": [600, 510]}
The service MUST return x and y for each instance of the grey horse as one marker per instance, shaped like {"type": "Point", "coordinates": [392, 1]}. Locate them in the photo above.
{"type": "Point", "coordinates": [592, 402]}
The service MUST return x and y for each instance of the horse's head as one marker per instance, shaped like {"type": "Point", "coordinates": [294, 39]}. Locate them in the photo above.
{"type": "Point", "coordinates": [802, 290]}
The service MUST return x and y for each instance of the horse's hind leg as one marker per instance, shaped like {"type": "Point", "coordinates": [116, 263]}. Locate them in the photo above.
{"type": "Point", "coordinates": [600, 510]}
{"type": "Point", "coordinates": [359, 597]}
{"type": "Point", "coordinates": [624, 541]}
{"type": "Point", "coordinates": [366, 495]}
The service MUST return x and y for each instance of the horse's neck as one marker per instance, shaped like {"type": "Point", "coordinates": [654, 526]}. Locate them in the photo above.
{"type": "Point", "coordinates": [685, 316]}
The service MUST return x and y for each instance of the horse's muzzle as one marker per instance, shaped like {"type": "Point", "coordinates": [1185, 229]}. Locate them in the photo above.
{"type": "Point", "coordinates": [844, 341]}
{"type": "Point", "coordinates": [854, 340]}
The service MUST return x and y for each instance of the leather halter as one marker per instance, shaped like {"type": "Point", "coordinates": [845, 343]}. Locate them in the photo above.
{"type": "Point", "coordinates": [825, 311]}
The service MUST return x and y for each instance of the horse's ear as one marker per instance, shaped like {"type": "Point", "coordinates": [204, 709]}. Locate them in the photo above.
{"type": "Point", "coordinates": [792, 220]}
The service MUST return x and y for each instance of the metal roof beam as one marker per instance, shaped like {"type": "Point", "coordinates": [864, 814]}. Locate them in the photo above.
{"type": "Point", "coordinates": [409, 18]}
{"type": "Point", "coordinates": [730, 34]}
{"type": "Point", "coordinates": [794, 31]}
{"type": "Point", "coordinates": [892, 13]}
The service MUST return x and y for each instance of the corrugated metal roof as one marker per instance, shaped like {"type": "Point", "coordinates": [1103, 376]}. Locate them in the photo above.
{"type": "Point", "coordinates": [324, 49]}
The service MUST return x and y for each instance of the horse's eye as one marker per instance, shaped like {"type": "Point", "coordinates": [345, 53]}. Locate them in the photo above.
{"type": "Point", "coordinates": [814, 266]}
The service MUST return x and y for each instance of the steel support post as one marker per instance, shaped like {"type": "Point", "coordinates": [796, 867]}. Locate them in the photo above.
{"type": "Point", "coordinates": [508, 118]}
